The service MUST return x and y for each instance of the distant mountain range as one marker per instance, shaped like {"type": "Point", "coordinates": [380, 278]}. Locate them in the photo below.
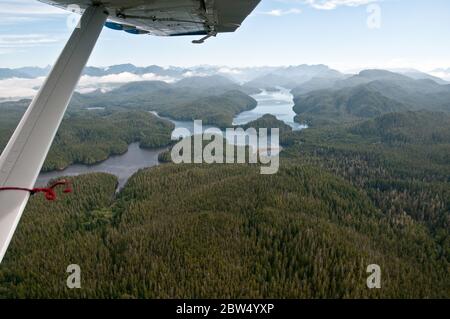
{"type": "Point", "coordinates": [418, 75]}
{"type": "Point", "coordinates": [266, 76]}
{"type": "Point", "coordinates": [368, 94]}
{"type": "Point", "coordinates": [130, 68]}
{"type": "Point", "coordinates": [23, 73]}
{"type": "Point", "coordinates": [290, 77]}
{"type": "Point", "coordinates": [33, 72]}
{"type": "Point", "coordinates": [406, 86]}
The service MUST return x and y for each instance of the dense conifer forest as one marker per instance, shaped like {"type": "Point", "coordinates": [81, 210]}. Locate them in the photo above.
{"type": "Point", "coordinates": [268, 121]}
{"type": "Point", "coordinates": [215, 100]}
{"type": "Point", "coordinates": [344, 198]}
{"type": "Point", "coordinates": [367, 183]}
{"type": "Point", "coordinates": [91, 136]}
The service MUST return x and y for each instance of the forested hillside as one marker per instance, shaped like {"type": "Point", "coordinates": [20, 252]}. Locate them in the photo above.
{"type": "Point", "coordinates": [268, 121]}
{"type": "Point", "coordinates": [366, 95]}
{"type": "Point", "coordinates": [92, 138]}
{"type": "Point", "coordinates": [403, 166]}
{"type": "Point", "coordinates": [407, 128]}
{"type": "Point", "coordinates": [343, 199]}
{"type": "Point", "coordinates": [215, 100]}
{"type": "Point", "coordinates": [340, 106]}
{"type": "Point", "coordinates": [89, 137]}
{"type": "Point", "coordinates": [212, 110]}
{"type": "Point", "coordinates": [11, 112]}
{"type": "Point", "coordinates": [214, 84]}
{"type": "Point", "coordinates": [175, 231]}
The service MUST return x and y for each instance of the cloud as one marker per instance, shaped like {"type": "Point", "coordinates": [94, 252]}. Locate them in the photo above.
{"type": "Point", "coordinates": [18, 12]}
{"type": "Point", "coordinates": [28, 7]}
{"type": "Point", "coordinates": [15, 88]}
{"type": "Point", "coordinates": [330, 4]}
{"type": "Point", "coordinates": [15, 41]}
{"type": "Point", "coordinates": [124, 77]}
{"type": "Point", "coordinates": [106, 83]}
{"type": "Point", "coordinates": [231, 71]}
{"type": "Point", "coordinates": [280, 12]}
{"type": "Point", "coordinates": [441, 73]}
{"type": "Point", "coordinates": [19, 88]}
{"type": "Point", "coordinates": [190, 74]}
{"type": "Point", "coordinates": [11, 20]}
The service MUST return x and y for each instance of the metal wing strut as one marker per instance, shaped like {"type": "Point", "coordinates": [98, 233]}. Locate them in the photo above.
{"type": "Point", "coordinates": [23, 157]}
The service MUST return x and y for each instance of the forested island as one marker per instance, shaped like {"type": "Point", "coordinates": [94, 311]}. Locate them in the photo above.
{"type": "Point", "coordinates": [89, 137]}
{"type": "Point", "coordinates": [213, 110]}
{"type": "Point", "coordinates": [268, 121]}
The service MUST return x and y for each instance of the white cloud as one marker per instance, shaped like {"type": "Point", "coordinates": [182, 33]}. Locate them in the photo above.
{"type": "Point", "coordinates": [330, 4]}
{"type": "Point", "coordinates": [190, 74]}
{"type": "Point", "coordinates": [441, 73]}
{"type": "Point", "coordinates": [25, 40]}
{"type": "Point", "coordinates": [28, 7]}
{"type": "Point", "coordinates": [15, 88]}
{"type": "Point", "coordinates": [18, 12]}
{"type": "Point", "coordinates": [434, 67]}
{"type": "Point", "coordinates": [11, 20]}
{"type": "Point", "coordinates": [231, 71]}
{"type": "Point", "coordinates": [124, 77]}
{"type": "Point", "coordinates": [281, 12]}
{"type": "Point", "coordinates": [19, 88]}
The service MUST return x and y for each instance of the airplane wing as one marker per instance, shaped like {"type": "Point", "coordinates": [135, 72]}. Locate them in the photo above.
{"type": "Point", "coordinates": [23, 157]}
{"type": "Point", "coordinates": [171, 17]}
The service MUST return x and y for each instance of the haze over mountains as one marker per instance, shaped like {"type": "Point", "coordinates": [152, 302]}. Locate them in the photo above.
{"type": "Point", "coordinates": [24, 82]}
{"type": "Point", "coordinates": [368, 94]}
{"type": "Point", "coordinates": [321, 95]}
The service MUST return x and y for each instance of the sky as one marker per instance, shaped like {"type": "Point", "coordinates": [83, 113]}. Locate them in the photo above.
{"type": "Point", "coordinates": [344, 34]}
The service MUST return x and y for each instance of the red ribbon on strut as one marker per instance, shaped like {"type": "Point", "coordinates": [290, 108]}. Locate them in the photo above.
{"type": "Point", "coordinates": [49, 192]}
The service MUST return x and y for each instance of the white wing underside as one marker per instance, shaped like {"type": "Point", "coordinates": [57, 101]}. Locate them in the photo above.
{"type": "Point", "coordinates": [173, 17]}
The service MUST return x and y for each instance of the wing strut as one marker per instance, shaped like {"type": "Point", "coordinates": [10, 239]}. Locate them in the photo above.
{"type": "Point", "coordinates": [23, 157]}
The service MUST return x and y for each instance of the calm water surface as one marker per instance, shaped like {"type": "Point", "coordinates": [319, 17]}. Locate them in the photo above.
{"type": "Point", "coordinates": [277, 103]}
{"type": "Point", "coordinates": [123, 166]}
